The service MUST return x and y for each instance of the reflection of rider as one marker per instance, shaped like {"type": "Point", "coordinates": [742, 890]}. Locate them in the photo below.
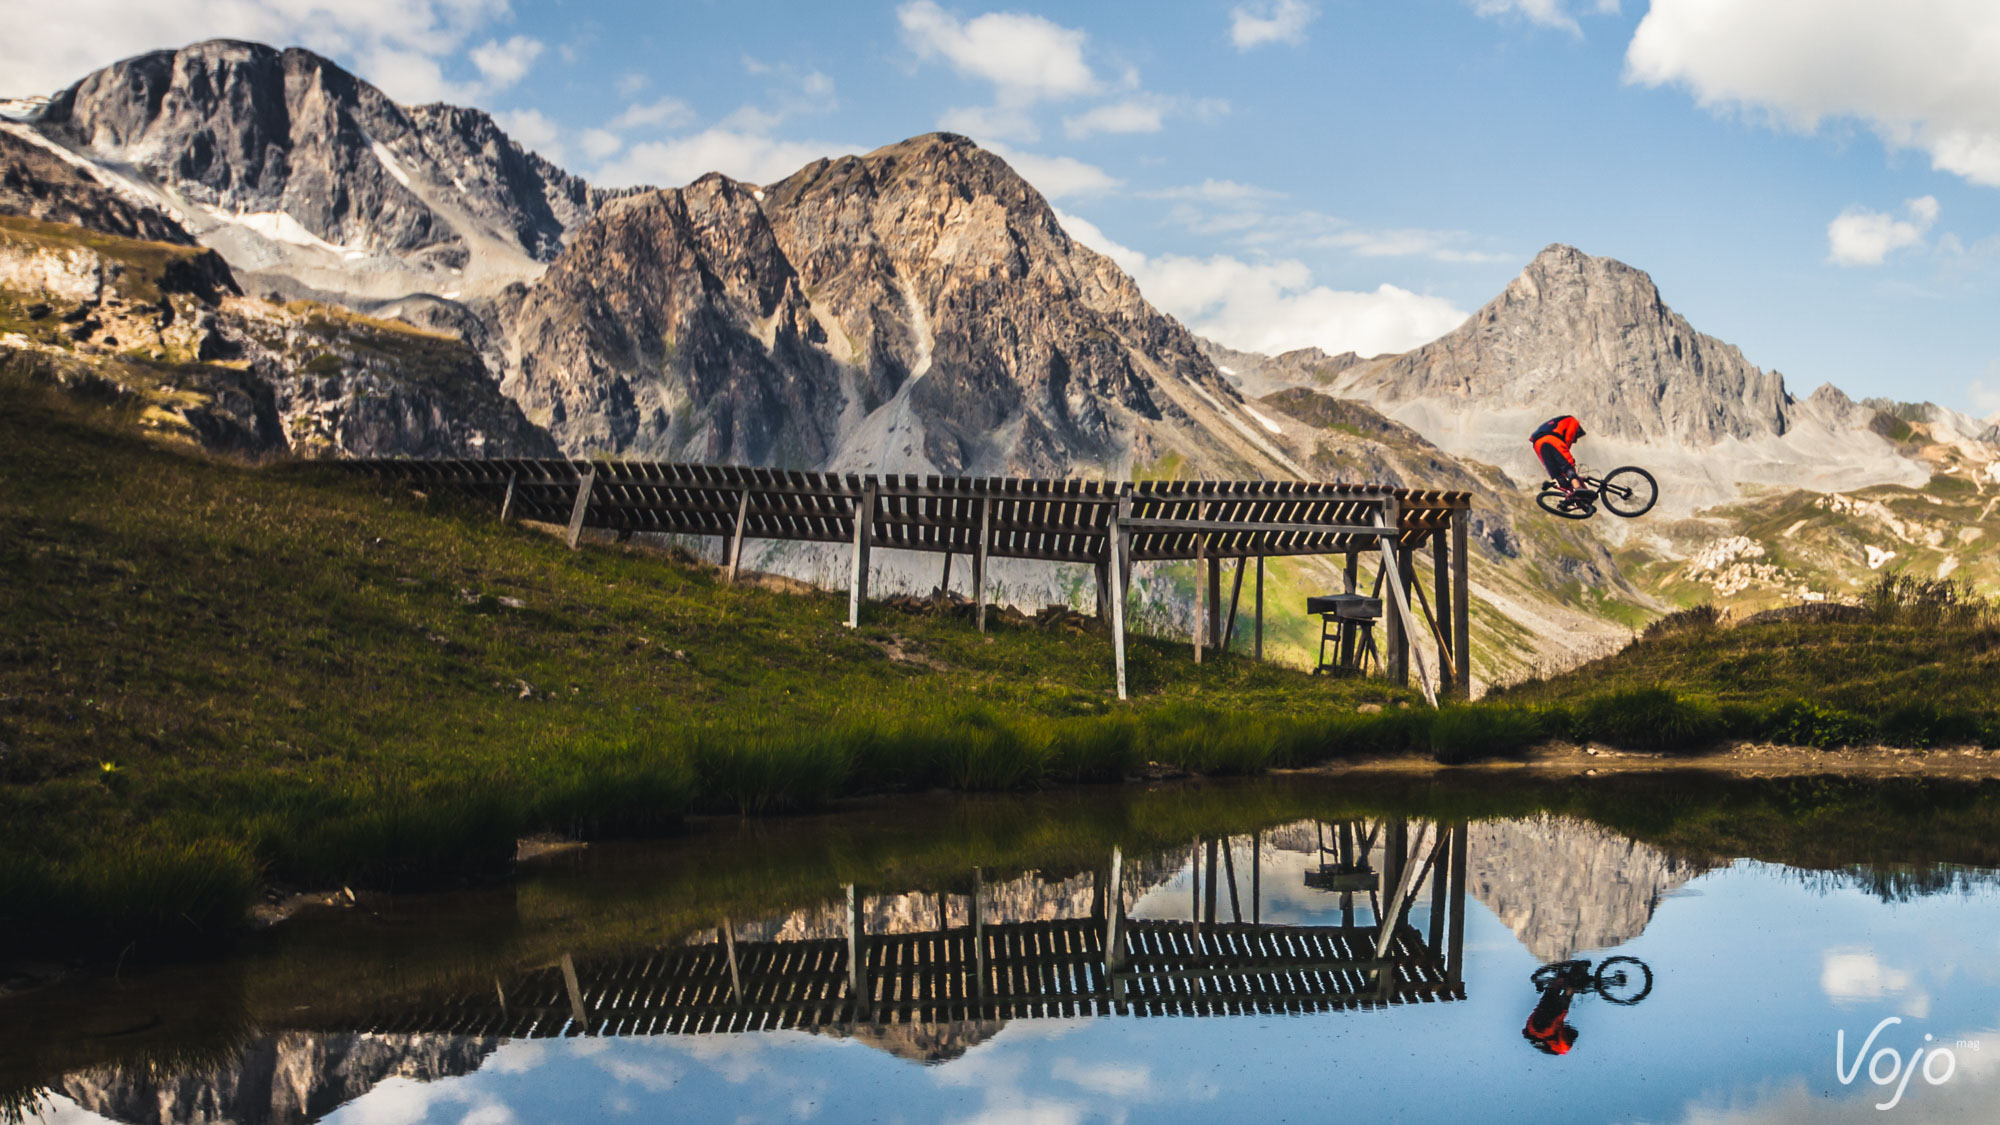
{"type": "Point", "coordinates": [1548, 1028]}
{"type": "Point", "coordinates": [1552, 440]}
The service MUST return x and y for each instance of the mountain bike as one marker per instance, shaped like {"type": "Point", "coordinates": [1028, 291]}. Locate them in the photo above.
{"type": "Point", "coordinates": [1621, 980]}
{"type": "Point", "coordinates": [1628, 491]}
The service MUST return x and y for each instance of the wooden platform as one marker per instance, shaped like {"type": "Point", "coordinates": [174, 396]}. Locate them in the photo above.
{"type": "Point", "coordinates": [1106, 525]}
{"type": "Point", "coordinates": [1030, 970]}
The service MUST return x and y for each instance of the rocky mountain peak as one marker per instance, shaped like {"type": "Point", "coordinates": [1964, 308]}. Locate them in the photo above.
{"type": "Point", "coordinates": [915, 309]}
{"type": "Point", "coordinates": [313, 181]}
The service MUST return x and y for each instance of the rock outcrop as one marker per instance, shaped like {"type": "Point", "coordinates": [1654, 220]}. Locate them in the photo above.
{"type": "Point", "coordinates": [37, 182]}
{"type": "Point", "coordinates": [312, 181]}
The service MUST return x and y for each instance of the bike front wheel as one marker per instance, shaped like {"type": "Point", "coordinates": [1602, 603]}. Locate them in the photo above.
{"type": "Point", "coordinates": [1624, 980]}
{"type": "Point", "coordinates": [1630, 491]}
{"type": "Point", "coordinates": [1557, 503]}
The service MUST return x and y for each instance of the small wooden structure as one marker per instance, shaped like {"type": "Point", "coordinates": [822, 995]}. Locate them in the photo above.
{"type": "Point", "coordinates": [1104, 525]}
{"type": "Point", "coordinates": [1106, 964]}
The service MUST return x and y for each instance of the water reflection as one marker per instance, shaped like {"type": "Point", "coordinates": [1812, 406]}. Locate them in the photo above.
{"type": "Point", "coordinates": [1015, 968]}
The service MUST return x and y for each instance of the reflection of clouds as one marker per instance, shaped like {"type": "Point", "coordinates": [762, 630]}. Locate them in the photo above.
{"type": "Point", "coordinates": [518, 1057]}
{"type": "Point", "coordinates": [1134, 1082]}
{"type": "Point", "coordinates": [652, 1075]}
{"type": "Point", "coordinates": [405, 1101]}
{"type": "Point", "coordinates": [1964, 1097]}
{"type": "Point", "coordinates": [1849, 975]}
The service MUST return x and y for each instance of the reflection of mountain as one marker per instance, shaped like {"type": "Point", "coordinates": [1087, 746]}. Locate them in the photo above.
{"type": "Point", "coordinates": [277, 1080]}
{"type": "Point", "coordinates": [920, 1042]}
{"type": "Point", "coordinates": [1564, 885]}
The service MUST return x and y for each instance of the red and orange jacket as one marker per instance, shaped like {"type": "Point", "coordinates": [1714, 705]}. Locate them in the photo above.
{"type": "Point", "coordinates": [1558, 433]}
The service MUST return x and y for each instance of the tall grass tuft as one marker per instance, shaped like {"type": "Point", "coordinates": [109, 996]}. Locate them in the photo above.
{"type": "Point", "coordinates": [1801, 722]}
{"type": "Point", "coordinates": [1905, 599]}
{"type": "Point", "coordinates": [1468, 733]}
{"type": "Point", "coordinates": [1094, 748]}
{"type": "Point", "coordinates": [1648, 719]}
{"type": "Point", "coordinates": [169, 897]}
{"type": "Point", "coordinates": [399, 839]}
{"type": "Point", "coordinates": [1696, 619]}
{"type": "Point", "coordinates": [757, 772]}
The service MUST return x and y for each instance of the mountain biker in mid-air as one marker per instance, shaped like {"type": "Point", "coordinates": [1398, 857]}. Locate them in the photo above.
{"type": "Point", "coordinates": [1552, 440]}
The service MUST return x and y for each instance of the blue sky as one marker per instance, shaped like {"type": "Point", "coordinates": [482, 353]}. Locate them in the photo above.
{"type": "Point", "coordinates": [1813, 180]}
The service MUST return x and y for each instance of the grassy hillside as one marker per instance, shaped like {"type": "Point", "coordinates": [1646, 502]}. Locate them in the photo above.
{"type": "Point", "coordinates": [212, 675]}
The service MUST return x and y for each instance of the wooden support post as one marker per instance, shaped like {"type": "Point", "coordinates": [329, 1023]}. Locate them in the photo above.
{"type": "Point", "coordinates": [1448, 679]}
{"type": "Point", "coordinates": [1200, 583]}
{"type": "Point", "coordinates": [1214, 604]}
{"type": "Point", "coordinates": [864, 530]}
{"type": "Point", "coordinates": [1114, 914]}
{"type": "Point", "coordinates": [507, 501]}
{"type": "Point", "coordinates": [1102, 572]}
{"type": "Point", "coordinates": [577, 1011]}
{"type": "Point", "coordinates": [736, 538]}
{"type": "Point", "coordinates": [729, 948]}
{"type": "Point", "coordinates": [1256, 877]}
{"type": "Point", "coordinates": [1209, 903]}
{"type": "Point", "coordinates": [1229, 871]}
{"type": "Point", "coordinates": [979, 929]}
{"type": "Point", "coordinates": [576, 513]}
{"type": "Point", "coordinates": [1115, 570]}
{"type": "Point", "coordinates": [1438, 885]}
{"type": "Point", "coordinates": [501, 994]}
{"type": "Point", "coordinates": [1353, 565]}
{"type": "Point", "coordinates": [979, 559]}
{"type": "Point", "coordinates": [944, 581]}
{"type": "Point", "coordinates": [1461, 604]}
{"type": "Point", "coordinates": [1260, 607]}
{"type": "Point", "coordinates": [1455, 943]}
{"type": "Point", "coordinates": [1194, 885]}
{"type": "Point", "coordinates": [857, 973]}
{"type": "Point", "coordinates": [1235, 597]}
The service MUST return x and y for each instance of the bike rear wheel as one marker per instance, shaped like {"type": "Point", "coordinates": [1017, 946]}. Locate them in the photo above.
{"type": "Point", "coordinates": [1557, 503]}
{"type": "Point", "coordinates": [1630, 491]}
{"type": "Point", "coordinates": [1624, 980]}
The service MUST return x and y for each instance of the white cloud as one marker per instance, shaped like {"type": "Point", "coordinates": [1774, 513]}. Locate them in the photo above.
{"type": "Point", "coordinates": [1547, 13]}
{"type": "Point", "coordinates": [1217, 190]}
{"type": "Point", "coordinates": [750, 157]}
{"type": "Point", "coordinates": [629, 85]}
{"type": "Point", "coordinates": [1281, 21]}
{"type": "Point", "coordinates": [403, 46]}
{"type": "Point", "coordinates": [534, 131]}
{"type": "Point", "coordinates": [1057, 177]}
{"type": "Point", "coordinates": [1860, 237]}
{"type": "Point", "coordinates": [1921, 74]}
{"type": "Point", "coordinates": [600, 143]}
{"type": "Point", "coordinates": [669, 113]}
{"type": "Point", "coordinates": [1274, 306]}
{"type": "Point", "coordinates": [1026, 58]}
{"type": "Point", "coordinates": [982, 123]}
{"type": "Point", "coordinates": [1409, 242]}
{"type": "Point", "coordinates": [503, 64]}
{"type": "Point", "coordinates": [1132, 115]}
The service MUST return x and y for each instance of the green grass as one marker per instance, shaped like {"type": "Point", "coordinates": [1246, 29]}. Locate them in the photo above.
{"type": "Point", "coordinates": [285, 676]}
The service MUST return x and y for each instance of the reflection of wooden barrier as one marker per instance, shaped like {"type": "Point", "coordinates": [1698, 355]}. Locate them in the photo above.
{"type": "Point", "coordinates": [1106, 526]}
{"type": "Point", "coordinates": [1094, 966]}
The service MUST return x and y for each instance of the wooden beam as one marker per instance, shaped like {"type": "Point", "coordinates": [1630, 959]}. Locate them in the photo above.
{"type": "Point", "coordinates": [577, 1011]}
{"type": "Point", "coordinates": [582, 506]}
{"type": "Point", "coordinates": [1229, 869]}
{"type": "Point", "coordinates": [1253, 527]}
{"type": "Point", "coordinates": [729, 947]}
{"type": "Point", "coordinates": [979, 929]}
{"type": "Point", "coordinates": [1235, 596]}
{"type": "Point", "coordinates": [1260, 607]}
{"type": "Point", "coordinates": [736, 540]}
{"type": "Point", "coordinates": [1454, 961]}
{"type": "Point", "coordinates": [1402, 623]}
{"type": "Point", "coordinates": [1209, 902]}
{"type": "Point", "coordinates": [944, 582]}
{"type": "Point", "coordinates": [1100, 571]}
{"type": "Point", "coordinates": [1353, 565]}
{"type": "Point", "coordinates": [1114, 911]}
{"type": "Point", "coordinates": [1256, 877]}
{"type": "Point", "coordinates": [507, 501]}
{"type": "Point", "coordinates": [1461, 604]}
{"type": "Point", "coordinates": [979, 559]}
{"type": "Point", "coordinates": [1448, 682]}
